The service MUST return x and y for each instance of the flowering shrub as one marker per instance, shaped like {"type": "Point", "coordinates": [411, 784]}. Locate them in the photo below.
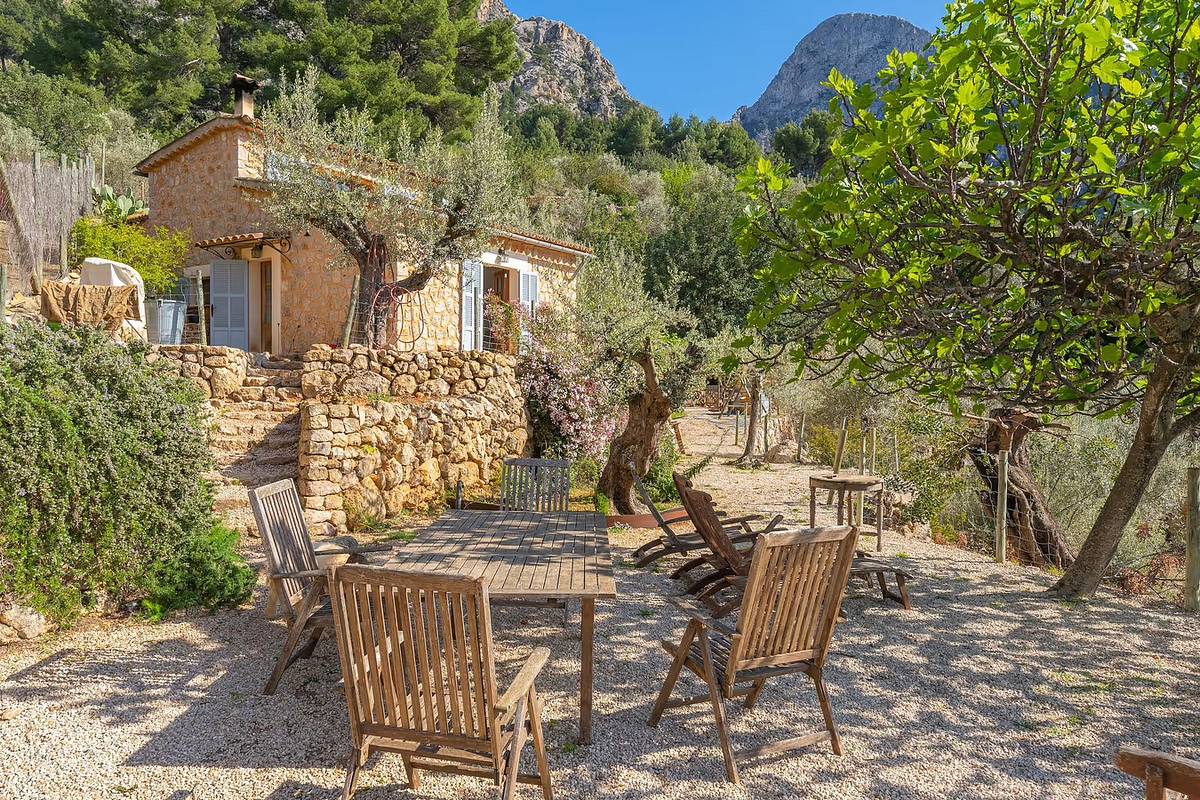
{"type": "Point", "coordinates": [571, 392]}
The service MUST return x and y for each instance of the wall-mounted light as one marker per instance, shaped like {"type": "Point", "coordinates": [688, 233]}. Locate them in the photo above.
{"type": "Point", "coordinates": [256, 251]}
{"type": "Point", "coordinates": [501, 256]}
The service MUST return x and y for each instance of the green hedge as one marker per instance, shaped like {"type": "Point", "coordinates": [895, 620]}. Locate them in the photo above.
{"type": "Point", "coordinates": [102, 458]}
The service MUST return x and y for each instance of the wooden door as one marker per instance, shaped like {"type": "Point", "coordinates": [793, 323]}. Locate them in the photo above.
{"type": "Point", "coordinates": [264, 298]}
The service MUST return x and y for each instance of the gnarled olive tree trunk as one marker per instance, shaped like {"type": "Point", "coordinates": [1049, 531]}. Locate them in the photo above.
{"type": "Point", "coordinates": [637, 443]}
{"type": "Point", "coordinates": [1033, 532]}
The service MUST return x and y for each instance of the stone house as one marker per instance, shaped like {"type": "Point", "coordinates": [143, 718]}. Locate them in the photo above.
{"type": "Point", "coordinates": [275, 291]}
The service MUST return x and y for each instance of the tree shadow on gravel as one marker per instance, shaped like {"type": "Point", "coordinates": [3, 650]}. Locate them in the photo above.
{"type": "Point", "coordinates": [986, 689]}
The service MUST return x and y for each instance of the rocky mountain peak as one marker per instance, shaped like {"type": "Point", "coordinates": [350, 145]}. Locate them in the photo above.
{"type": "Point", "coordinates": [563, 67]}
{"type": "Point", "coordinates": [492, 10]}
{"type": "Point", "coordinates": [856, 44]}
{"type": "Point", "coordinates": [560, 66]}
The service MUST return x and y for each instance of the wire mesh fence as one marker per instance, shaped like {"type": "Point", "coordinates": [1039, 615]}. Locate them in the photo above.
{"type": "Point", "coordinates": [41, 199]}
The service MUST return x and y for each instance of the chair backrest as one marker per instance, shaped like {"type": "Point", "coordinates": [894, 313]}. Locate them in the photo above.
{"type": "Point", "coordinates": [285, 538]}
{"type": "Point", "coordinates": [416, 653]}
{"type": "Point", "coordinates": [1161, 771]}
{"type": "Point", "coordinates": [792, 598]}
{"type": "Point", "coordinates": [703, 515]}
{"type": "Point", "coordinates": [535, 484]}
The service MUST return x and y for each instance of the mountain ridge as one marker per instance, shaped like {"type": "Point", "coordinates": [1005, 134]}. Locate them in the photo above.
{"type": "Point", "coordinates": [560, 66]}
{"type": "Point", "coordinates": [855, 43]}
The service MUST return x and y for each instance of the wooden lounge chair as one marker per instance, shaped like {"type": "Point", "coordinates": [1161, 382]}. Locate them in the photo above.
{"type": "Point", "coordinates": [1161, 772]}
{"type": "Point", "coordinates": [420, 679]}
{"type": "Point", "coordinates": [728, 564]}
{"type": "Point", "coordinates": [295, 580]}
{"type": "Point", "coordinates": [793, 595]}
{"type": "Point", "coordinates": [674, 543]}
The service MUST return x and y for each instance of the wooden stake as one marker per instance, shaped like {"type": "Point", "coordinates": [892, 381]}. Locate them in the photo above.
{"type": "Point", "coordinates": [1191, 580]}
{"type": "Point", "coordinates": [346, 330]}
{"type": "Point", "coordinates": [3, 294]}
{"type": "Point", "coordinates": [874, 450]}
{"type": "Point", "coordinates": [841, 450]}
{"type": "Point", "coordinates": [800, 437]}
{"type": "Point", "coordinates": [201, 309]}
{"type": "Point", "coordinates": [841, 447]}
{"type": "Point", "coordinates": [63, 267]}
{"type": "Point", "coordinates": [862, 451]}
{"type": "Point", "coordinates": [1001, 506]}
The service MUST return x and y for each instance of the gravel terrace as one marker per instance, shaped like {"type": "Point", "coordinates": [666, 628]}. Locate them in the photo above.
{"type": "Point", "coordinates": [988, 689]}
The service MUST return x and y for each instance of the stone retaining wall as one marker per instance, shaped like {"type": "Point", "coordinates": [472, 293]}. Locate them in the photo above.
{"type": "Point", "coordinates": [217, 371]}
{"type": "Point", "coordinates": [384, 431]}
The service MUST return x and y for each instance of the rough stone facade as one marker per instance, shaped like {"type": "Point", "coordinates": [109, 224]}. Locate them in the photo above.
{"type": "Point", "coordinates": [210, 183]}
{"type": "Point", "coordinates": [216, 371]}
{"type": "Point", "coordinates": [386, 431]}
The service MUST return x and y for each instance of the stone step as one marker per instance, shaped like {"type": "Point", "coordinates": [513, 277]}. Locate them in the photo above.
{"type": "Point", "coordinates": [275, 458]}
{"type": "Point", "coordinates": [284, 423]}
{"type": "Point", "coordinates": [285, 379]}
{"type": "Point", "coordinates": [267, 393]}
{"type": "Point", "coordinates": [226, 407]}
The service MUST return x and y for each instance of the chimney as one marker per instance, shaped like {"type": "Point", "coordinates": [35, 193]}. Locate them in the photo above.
{"type": "Point", "coordinates": [243, 95]}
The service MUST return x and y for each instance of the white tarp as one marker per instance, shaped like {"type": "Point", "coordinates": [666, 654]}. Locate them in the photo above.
{"type": "Point", "coordinates": [102, 272]}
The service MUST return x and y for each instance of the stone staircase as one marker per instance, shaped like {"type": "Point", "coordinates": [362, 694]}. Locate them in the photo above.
{"type": "Point", "coordinates": [255, 436]}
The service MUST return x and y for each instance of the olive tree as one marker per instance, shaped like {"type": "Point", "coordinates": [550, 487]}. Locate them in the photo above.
{"type": "Point", "coordinates": [400, 222]}
{"type": "Point", "coordinates": [1017, 229]}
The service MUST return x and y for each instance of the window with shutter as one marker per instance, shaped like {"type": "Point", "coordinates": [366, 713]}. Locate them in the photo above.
{"type": "Point", "coordinates": [472, 305]}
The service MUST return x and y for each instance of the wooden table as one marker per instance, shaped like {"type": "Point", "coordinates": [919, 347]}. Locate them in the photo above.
{"type": "Point", "coordinates": [526, 556]}
{"type": "Point", "coordinates": [847, 484]}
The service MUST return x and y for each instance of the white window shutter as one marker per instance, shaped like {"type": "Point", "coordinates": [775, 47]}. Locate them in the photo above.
{"type": "Point", "coordinates": [472, 305]}
{"type": "Point", "coordinates": [534, 293]}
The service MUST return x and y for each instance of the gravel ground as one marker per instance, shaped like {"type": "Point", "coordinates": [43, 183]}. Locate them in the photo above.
{"type": "Point", "coordinates": [986, 690]}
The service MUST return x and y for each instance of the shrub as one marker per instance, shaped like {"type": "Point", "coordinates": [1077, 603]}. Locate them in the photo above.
{"type": "Point", "coordinates": [658, 481]}
{"type": "Point", "coordinates": [158, 258]}
{"type": "Point", "coordinates": [205, 571]}
{"type": "Point", "coordinates": [571, 397]}
{"type": "Point", "coordinates": [101, 462]}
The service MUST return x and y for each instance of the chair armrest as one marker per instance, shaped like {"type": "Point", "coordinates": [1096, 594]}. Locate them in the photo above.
{"type": "Point", "coordinates": [773, 524]}
{"type": "Point", "coordinates": [727, 521]}
{"type": "Point", "coordinates": [522, 683]}
{"type": "Point", "coordinates": [699, 614]}
{"type": "Point", "coordinates": [307, 573]}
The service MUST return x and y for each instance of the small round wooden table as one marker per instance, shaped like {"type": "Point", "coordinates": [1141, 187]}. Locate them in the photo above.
{"type": "Point", "coordinates": [848, 484]}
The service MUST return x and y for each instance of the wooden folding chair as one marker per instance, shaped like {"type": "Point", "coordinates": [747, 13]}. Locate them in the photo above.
{"type": "Point", "coordinates": [420, 678]}
{"type": "Point", "coordinates": [535, 484]}
{"type": "Point", "coordinates": [728, 563]}
{"type": "Point", "coordinates": [672, 542]}
{"type": "Point", "coordinates": [793, 595]}
{"type": "Point", "coordinates": [1161, 772]}
{"type": "Point", "coordinates": [295, 580]}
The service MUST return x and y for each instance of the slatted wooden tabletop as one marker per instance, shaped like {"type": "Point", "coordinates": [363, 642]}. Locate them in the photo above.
{"type": "Point", "coordinates": [523, 554]}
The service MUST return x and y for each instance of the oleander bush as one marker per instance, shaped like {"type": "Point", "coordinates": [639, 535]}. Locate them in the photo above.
{"type": "Point", "coordinates": [102, 495]}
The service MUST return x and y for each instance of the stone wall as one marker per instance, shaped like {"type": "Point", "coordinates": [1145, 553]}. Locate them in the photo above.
{"type": "Point", "coordinates": [384, 431]}
{"type": "Point", "coordinates": [217, 371]}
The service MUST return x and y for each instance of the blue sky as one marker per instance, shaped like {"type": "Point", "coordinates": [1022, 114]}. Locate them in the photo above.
{"type": "Point", "coordinates": [706, 57]}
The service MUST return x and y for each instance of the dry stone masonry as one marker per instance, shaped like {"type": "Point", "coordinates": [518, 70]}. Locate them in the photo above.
{"type": "Point", "coordinates": [383, 431]}
{"type": "Point", "coordinates": [217, 371]}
